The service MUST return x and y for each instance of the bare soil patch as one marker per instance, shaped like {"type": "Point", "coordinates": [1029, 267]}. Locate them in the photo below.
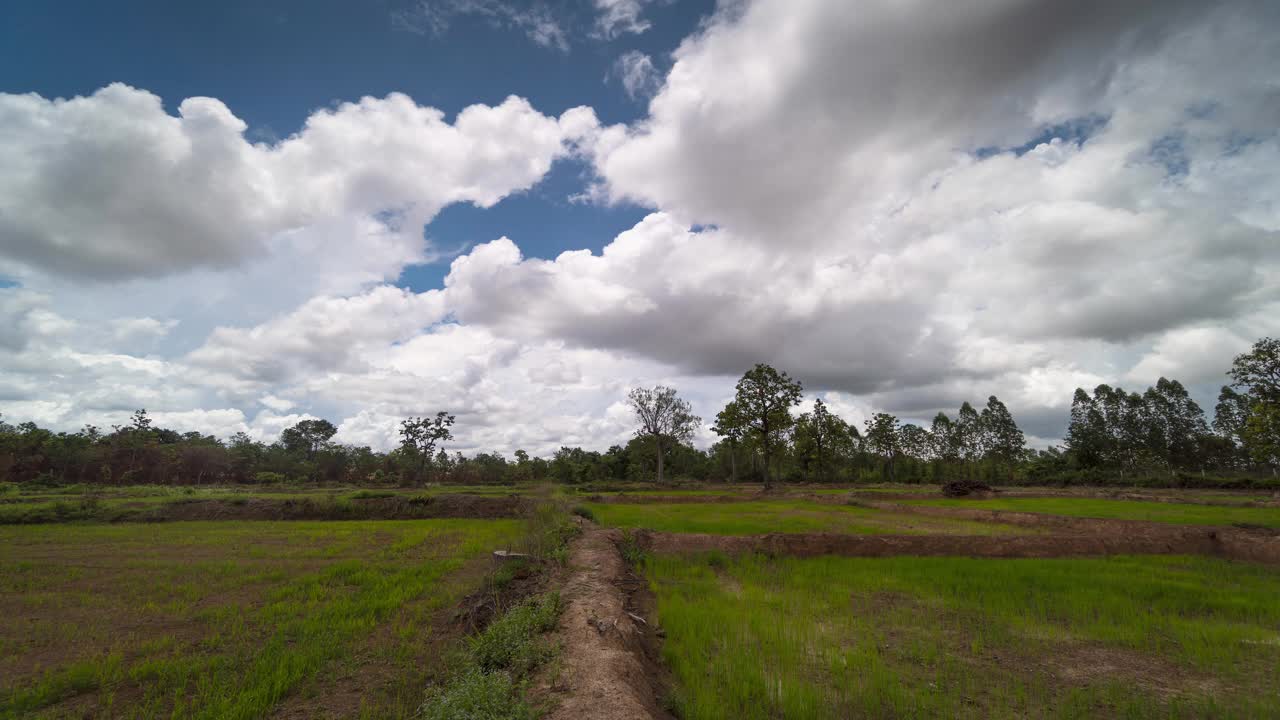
{"type": "Point", "coordinates": [1238, 544]}
{"type": "Point", "coordinates": [382, 508]}
{"type": "Point", "coordinates": [608, 667]}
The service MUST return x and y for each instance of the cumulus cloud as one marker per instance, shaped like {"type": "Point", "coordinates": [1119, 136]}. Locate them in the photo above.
{"type": "Point", "coordinates": [111, 186]}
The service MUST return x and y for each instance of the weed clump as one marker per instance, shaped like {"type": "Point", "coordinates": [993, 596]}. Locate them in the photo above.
{"type": "Point", "coordinates": [512, 642]}
{"type": "Point", "coordinates": [497, 662]}
{"type": "Point", "coordinates": [476, 695]}
{"type": "Point", "coordinates": [630, 548]}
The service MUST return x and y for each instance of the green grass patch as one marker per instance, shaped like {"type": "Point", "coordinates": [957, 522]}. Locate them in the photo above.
{"type": "Point", "coordinates": [489, 685]}
{"type": "Point", "coordinates": [1165, 512]}
{"type": "Point", "coordinates": [782, 516]}
{"type": "Point", "coordinates": [222, 619]}
{"type": "Point", "coordinates": [1133, 637]}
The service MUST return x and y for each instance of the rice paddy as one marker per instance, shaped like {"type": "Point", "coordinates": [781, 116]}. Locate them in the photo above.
{"type": "Point", "coordinates": [1133, 637]}
{"type": "Point", "coordinates": [230, 619]}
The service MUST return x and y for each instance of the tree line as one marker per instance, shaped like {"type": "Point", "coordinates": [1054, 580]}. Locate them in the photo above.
{"type": "Point", "coordinates": [1159, 436]}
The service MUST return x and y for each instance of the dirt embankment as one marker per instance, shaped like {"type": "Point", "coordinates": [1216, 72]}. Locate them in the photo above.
{"type": "Point", "coordinates": [678, 499]}
{"type": "Point", "coordinates": [609, 669]}
{"type": "Point", "coordinates": [381, 508]}
{"type": "Point", "coordinates": [1138, 538]}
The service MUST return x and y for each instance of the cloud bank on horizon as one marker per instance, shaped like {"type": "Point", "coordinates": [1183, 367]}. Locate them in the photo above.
{"type": "Point", "coordinates": [904, 207]}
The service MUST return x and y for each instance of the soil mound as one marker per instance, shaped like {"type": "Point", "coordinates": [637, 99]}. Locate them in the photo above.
{"type": "Point", "coordinates": [606, 672]}
{"type": "Point", "coordinates": [380, 508]}
{"type": "Point", "coordinates": [967, 488]}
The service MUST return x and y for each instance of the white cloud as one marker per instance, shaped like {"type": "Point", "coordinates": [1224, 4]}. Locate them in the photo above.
{"type": "Point", "coordinates": [620, 17]}
{"type": "Point", "coordinates": [535, 20]}
{"type": "Point", "coordinates": [636, 72]}
{"type": "Point", "coordinates": [111, 186]}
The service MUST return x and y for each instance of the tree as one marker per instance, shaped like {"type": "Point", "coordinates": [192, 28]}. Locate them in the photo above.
{"type": "Point", "coordinates": [419, 438]}
{"type": "Point", "coordinates": [914, 441]}
{"type": "Point", "coordinates": [968, 432]}
{"type": "Point", "coordinates": [308, 436]}
{"type": "Point", "coordinates": [1262, 434]}
{"type": "Point", "coordinates": [944, 441]}
{"type": "Point", "coordinates": [818, 435]}
{"type": "Point", "coordinates": [765, 398]}
{"type": "Point", "coordinates": [1002, 440]}
{"type": "Point", "coordinates": [1230, 415]}
{"type": "Point", "coordinates": [1257, 372]}
{"type": "Point", "coordinates": [730, 425]}
{"type": "Point", "coordinates": [1174, 423]}
{"type": "Point", "coordinates": [663, 417]}
{"type": "Point", "coordinates": [882, 439]}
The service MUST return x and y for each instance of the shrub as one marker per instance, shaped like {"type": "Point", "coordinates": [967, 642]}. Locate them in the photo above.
{"type": "Point", "coordinates": [268, 478]}
{"type": "Point", "coordinates": [371, 494]}
{"type": "Point", "coordinates": [584, 512]}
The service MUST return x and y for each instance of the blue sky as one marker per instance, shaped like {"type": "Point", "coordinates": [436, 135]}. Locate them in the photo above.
{"type": "Point", "coordinates": [275, 62]}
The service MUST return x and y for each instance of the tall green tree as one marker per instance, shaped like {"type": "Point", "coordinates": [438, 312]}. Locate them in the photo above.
{"type": "Point", "coordinates": [819, 435]}
{"type": "Point", "coordinates": [882, 438]}
{"type": "Point", "coordinates": [968, 432]}
{"type": "Point", "coordinates": [731, 425]}
{"type": "Point", "coordinates": [1175, 424]}
{"type": "Point", "coordinates": [663, 417]}
{"type": "Point", "coordinates": [1002, 439]}
{"type": "Point", "coordinates": [765, 397]}
{"type": "Point", "coordinates": [1256, 374]}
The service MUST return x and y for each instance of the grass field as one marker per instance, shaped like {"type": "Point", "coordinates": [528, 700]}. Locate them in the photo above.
{"type": "Point", "coordinates": [1131, 637]}
{"type": "Point", "coordinates": [1166, 512]}
{"type": "Point", "coordinates": [230, 619]}
{"type": "Point", "coordinates": [783, 516]}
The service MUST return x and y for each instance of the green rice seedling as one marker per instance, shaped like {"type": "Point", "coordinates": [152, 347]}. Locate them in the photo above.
{"type": "Point", "coordinates": [1140, 637]}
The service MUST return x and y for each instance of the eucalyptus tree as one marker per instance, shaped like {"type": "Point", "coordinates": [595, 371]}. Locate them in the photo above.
{"type": "Point", "coordinates": [968, 432]}
{"type": "Point", "coordinates": [663, 417]}
{"type": "Point", "coordinates": [731, 425]}
{"type": "Point", "coordinates": [1002, 439]}
{"type": "Point", "coordinates": [765, 397]}
{"type": "Point", "coordinates": [883, 439]}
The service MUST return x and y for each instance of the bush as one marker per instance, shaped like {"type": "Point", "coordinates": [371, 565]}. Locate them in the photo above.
{"type": "Point", "coordinates": [268, 478]}
{"type": "Point", "coordinates": [371, 494]}
{"type": "Point", "coordinates": [584, 512]}
{"type": "Point", "coordinates": [476, 695]}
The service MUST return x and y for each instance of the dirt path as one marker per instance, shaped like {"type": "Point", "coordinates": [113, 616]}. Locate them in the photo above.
{"type": "Point", "coordinates": [605, 670]}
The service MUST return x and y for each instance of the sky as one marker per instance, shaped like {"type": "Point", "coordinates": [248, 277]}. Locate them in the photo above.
{"type": "Point", "coordinates": [239, 215]}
